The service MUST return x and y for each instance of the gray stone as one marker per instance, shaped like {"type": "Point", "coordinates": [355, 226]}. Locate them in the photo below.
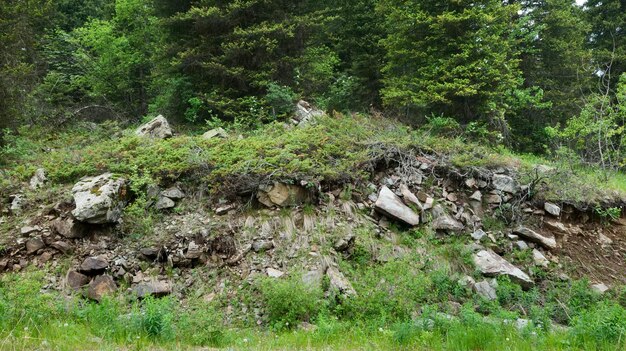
{"type": "Point", "coordinates": [33, 245]}
{"type": "Point", "coordinates": [68, 228]}
{"type": "Point", "coordinates": [491, 264]}
{"type": "Point", "coordinates": [313, 278]}
{"type": "Point", "coordinates": [447, 223]}
{"type": "Point", "coordinates": [505, 183]}
{"type": "Point", "coordinates": [306, 113]}
{"type": "Point", "coordinates": [154, 288]}
{"type": "Point", "coordinates": [93, 265]}
{"type": "Point", "coordinates": [409, 198]}
{"type": "Point", "coordinates": [343, 244]}
{"type": "Point", "coordinates": [600, 288]}
{"type": "Point", "coordinates": [493, 199]}
{"type": "Point", "coordinates": [521, 244]}
{"type": "Point", "coordinates": [540, 259]}
{"type": "Point", "coordinates": [76, 280]}
{"type": "Point", "coordinates": [173, 193]}
{"type": "Point", "coordinates": [17, 203]}
{"type": "Point", "coordinates": [556, 226]}
{"type": "Point", "coordinates": [390, 205]}
{"type": "Point", "coordinates": [100, 287]}
{"type": "Point", "coordinates": [478, 234]}
{"type": "Point", "coordinates": [157, 128]}
{"type": "Point", "coordinates": [274, 273]}
{"type": "Point", "coordinates": [484, 289]}
{"type": "Point", "coordinates": [193, 250]}
{"type": "Point", "coordinates": [99, 199]}
{"type": "Point", "coordinates": [477, 195]}
{"type": "Point", "coordinates": [552, 209]}
{"type": "Point", "coordinates": [165, 203]}
{"type": "Point", "coordinates": [262, 245]}
{"type": "Point", "coordinates": [38, 179]}
{"type": "Point", "coordinates": [547, 242]}
{"type": "Point", "coordinates": [215, 133]}
{"type": "Point", "coordinates": [26, 231]}
{"type": "Point", "coordinates": [339, 283]}
{"type": "Point", "coordinates": [62, 246]}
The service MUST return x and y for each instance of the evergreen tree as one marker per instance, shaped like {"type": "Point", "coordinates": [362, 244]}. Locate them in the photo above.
{"type": "Point", "coordinates": [454, 58]}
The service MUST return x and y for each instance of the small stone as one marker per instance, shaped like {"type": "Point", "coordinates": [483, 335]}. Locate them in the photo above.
{"type": "Point", "coordinates": [154, 288]}
{"type": "Point", "coordinates": [76, 280]}
{"type": "Point", "coordinates": [38, 180]}
{"type": "Point", "coordinates": [274, 273]}
{"type": "Point", "coordinates": [262, 245]}
{"type": "Point", "coordinates": [470, 183]}
{"type": "Point", "coordinates": [344, 243]}
{"type": "Point", "coordinates": [165, 203]}
{"type": "Point", "coordinates": [484, 289]}
{"type": "Point", "coordinates": [93, 265]}
{"type": "Point", "coordinates": [505, 183]}
{"type": "Point", "coordinates": [600, 288]}
{"type": "Point", "coordinates": [521, 245]}
{"type": "Point", "coordinates": [552, 209]}
{"type": "Point", "coordinates": [26, 231]}
{"type": "Point", "coordinates": [222, 210]}
{"type": "Point", "coordinates": [604, 240]}
{"type": "Point", "coordinates": [447, 223]}
{"type": "Point", "coordinates": [215, 133]}
{"type": "Point", "coordinates": [545, 241]}
{"type": "Point", "coordinates": [493, 199]}
{"type": "Point", "coordinates": [193, 251]}
{"type": "Point", "coordinates": [540, 259]}
{"type": "Point", "coordinates": [339, 282]}
{"type": "Point", "coordinates": [33, 245]}
{"type": "Point", "coordinates": [173, 193]}
{"type": "Point", "coordinates": [44, 257]}
{"type": "Point", "coordinates": [17, 203]}
{"type": "Point", "coordinates": [452, 197]}
{"type": "Point", "coordinates": [478, 234]}
{"type": "Point", "coordinates": [477, 195]}
{"type": "Point", "coordinates": [100, 287]}
{"type": "Point", "coordinates": [69, 228]}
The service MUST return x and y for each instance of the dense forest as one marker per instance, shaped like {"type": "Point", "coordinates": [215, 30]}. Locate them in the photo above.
{"type": "Point", "coordinates": [533, 75]}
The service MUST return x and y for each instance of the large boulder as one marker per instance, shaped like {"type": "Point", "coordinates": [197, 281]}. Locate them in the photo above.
{"type": "Point", "coordinates": [283, 195]}
{"type": "Point", "coordinates": [491, 264]}
{"type": "Point", "coordinates": [157, 128]}
{"type": "Point", "coordinates": [391, 205]}
{"type": "Point", "coordinates": [546, 241]}
{"type": "Point", "coordinates": [99, 199]}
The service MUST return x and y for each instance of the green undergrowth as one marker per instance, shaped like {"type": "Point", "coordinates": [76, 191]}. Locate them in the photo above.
{"type": "Point", "coordinates": [338, 149]}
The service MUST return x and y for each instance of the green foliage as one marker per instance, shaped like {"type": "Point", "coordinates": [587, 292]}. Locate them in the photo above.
{"type": "Point", "coordinates": [603, 326]}
{"type": "Point", "coordinates": [281, 99]}
{"type": "Point", "coordinates": [289, 302]}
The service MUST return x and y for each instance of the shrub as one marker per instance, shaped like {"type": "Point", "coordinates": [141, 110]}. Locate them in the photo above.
{"type": "Point", "coordinates": [603, 325]}
{"type": "Point", "coordinates": [201, 325]}
{"type": "Point", "coordinates": [288, 301]}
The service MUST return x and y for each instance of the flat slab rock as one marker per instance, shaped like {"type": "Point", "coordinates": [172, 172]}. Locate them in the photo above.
{"type": "Point", "coordinates": [531, 235]}
{"type": "Point", "coordinates": [99, 199]}
{"type": "Point", "coordinates": [392, 206]}
{"type": "Point", "coordinates": [491, 264]}
{"type": "Point", "coordinates": [155, 288]}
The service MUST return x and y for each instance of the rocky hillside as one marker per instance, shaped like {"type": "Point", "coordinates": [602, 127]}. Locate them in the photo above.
{"type": "Point", "coordinates": [345, 207]}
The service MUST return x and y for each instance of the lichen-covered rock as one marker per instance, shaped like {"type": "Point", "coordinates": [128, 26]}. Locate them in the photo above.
{"type": "Point", "coordinates": [38, 180]}
{"type": "Point", "coordinates": [306, 113]}
{"type": "Point", "coordinates": [157, 128]}
{"type": "Point", "coordinates": [99, 199]}
{"type": "Point", "coordinates": [215, 133]}
{"type": "Point", "coordinates": [339, 283]}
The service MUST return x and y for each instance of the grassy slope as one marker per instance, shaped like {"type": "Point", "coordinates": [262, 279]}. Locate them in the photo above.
{"type": "Point", "coordinates": [337, 150]}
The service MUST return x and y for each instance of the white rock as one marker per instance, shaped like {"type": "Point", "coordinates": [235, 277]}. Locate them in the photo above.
{"type": "Point", "coordinates": [157, 128]}
{"type": "Point", "coordinates": [484, 289]}
{"type": "Point", "coordinates": [215, 133]}
{"type": "Point", "coordinates": [547, 242]}
{"type": "Point", "coordinates": [600, 288]}
{"type": "Point", "coordinates": [552, 209]}
{"type": "Point", "coordinates": [339, 282]}
{"type": "Point", "coordinates": [505, 183]}
{"type": "Point", "coordinates": [390, 204]}
{"type": "Point", "coordinates": [540, 259]}
{"type": "Point", "coordinates": [478, 234]}
{"type": "Point", "coordinates": [38, 180]}
{"type": "Point", "coordinates": [99, 199]}
{"type": "Point", "coordinates": [274, 273]}
{"type": "Point", "coordinates": [491, 264]}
